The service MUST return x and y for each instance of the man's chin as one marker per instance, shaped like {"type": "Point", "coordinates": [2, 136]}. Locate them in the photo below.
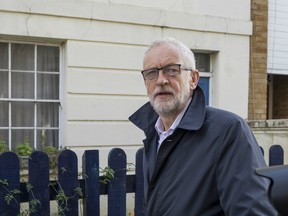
{"type": "Point", "coordinates": [162, 108]}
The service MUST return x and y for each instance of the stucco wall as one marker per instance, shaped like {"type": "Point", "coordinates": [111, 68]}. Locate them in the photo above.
{"type": "Point", "coordinates": [271, 132]}
{"type": "Point", "coordinates": [103, 45]}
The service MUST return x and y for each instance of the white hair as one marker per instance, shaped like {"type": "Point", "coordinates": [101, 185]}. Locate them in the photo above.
{"type": "Point", "coordinates": [187, 54]}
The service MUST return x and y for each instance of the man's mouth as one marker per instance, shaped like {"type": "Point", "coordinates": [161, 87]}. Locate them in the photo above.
{"type": "Point", "coordinates": [163, 94]}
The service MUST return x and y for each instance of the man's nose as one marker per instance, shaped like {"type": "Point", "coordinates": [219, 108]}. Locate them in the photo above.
{"type": "Point", "coordinates": [161, 79]}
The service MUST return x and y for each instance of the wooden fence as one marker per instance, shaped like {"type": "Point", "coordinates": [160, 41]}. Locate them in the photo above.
{"type": "Point", "coordinates": [40, 189]}
{"type": "Point", "coordinates": [68, 188]}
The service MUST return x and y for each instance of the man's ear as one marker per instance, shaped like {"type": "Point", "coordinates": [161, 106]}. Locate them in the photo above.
{"type": "Point", "coordinates": [195, 78]}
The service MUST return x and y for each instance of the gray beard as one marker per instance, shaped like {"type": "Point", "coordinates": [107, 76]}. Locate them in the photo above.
{"type": "Point", "coordinates": [171, 107]}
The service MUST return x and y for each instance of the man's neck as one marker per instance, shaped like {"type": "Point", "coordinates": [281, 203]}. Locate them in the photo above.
{"type": "Point", "coordinates": [167, 121]}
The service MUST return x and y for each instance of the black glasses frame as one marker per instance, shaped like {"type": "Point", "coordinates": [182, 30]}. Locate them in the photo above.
{"type": "Point", "coordinates": [153, 73]}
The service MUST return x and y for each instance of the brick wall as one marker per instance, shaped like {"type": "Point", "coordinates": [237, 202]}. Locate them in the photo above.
{"type": "Point", "coordinates": [257, 107]}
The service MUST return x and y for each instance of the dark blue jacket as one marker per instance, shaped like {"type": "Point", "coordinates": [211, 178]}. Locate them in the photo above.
{"type": "Point", "coordinates": [205, 168]}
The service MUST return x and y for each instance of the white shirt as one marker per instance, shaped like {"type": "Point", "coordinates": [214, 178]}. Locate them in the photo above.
{"type": "Point", "coordinates": [160, 127]}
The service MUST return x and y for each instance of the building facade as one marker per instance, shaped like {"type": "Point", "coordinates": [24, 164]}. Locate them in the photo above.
{"type": "Point", "coordinates": [70, 70]}
{"type": "Point", "coordinates": [268, 89]}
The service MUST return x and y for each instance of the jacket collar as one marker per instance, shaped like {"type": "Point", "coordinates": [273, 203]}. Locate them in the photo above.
{"type": "Point", "coordinates": [145, 117]}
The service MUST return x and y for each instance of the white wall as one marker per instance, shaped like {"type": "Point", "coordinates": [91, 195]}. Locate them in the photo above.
{"type": "Point", "coordinates": [103, 46]}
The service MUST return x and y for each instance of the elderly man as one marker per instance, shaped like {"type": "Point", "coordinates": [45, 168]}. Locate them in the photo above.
{"type": "Point", "coordinates": [198, 160]}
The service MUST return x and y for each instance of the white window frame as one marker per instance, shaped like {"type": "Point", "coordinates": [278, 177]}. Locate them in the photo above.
{"type": "Point", "coordinates": [208, 74]}
{"type": "Point", "coordinates": [10, 99]}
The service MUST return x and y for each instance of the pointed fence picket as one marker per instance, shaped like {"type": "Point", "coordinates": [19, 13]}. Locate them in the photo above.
{"type": "Point", "coordinates": [41, 189]}
{"type": "Point", "coordinates": [9, 172]}
{"type": "Point", "coordinates": [276, 155]}
{"type": "Point", "coordinates": [39, 180]}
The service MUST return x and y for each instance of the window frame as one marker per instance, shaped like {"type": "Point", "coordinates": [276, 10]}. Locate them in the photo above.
{"type": "Point", "coordinates": [207, 74]}
{"type": "Point", "coordinates": [10, 99]}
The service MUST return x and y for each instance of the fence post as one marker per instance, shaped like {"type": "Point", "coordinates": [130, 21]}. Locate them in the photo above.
{"type": "Point", "coordinates": [276, 155]}
{"type": "Point", "coordinates": [139, 190]}
{"type": "Point", "coordinates": [91, 201]}
{"type": "Point", "coordinates": [9, 173]}
{"type": "Point", "coordinates": [117, 186]}
{"type": "Point", "coordinates": [68, 181]}
{"type": "Point", "coordinates": [39, 190]}
{"type": "Point", "coordinates": [262, 150]}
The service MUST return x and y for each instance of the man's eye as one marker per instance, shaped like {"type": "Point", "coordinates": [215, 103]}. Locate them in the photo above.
{"type": "Point", "coordinates": [150, 73]}
{"type": "Point", "coordinates": [171, 70]}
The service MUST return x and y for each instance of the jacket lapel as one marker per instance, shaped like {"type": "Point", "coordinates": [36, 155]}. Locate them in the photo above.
{"type": "Point", "coordinates": [164, 152]}
{"type": "Point", "coordinates": [150, 154]}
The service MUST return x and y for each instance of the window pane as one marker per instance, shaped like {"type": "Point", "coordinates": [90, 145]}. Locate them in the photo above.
{"type": "Point", "coordinates": [47, 58]}
{"type": "Point", "coordinates": [47, 137]}
{"type": "Point", "coordinates": [4, 115]}
{"type": "Point", "coordinates": [4, 84]}
{"type": "Point", "coordinates": [22, 85]}
{"type": "Point", "coordinates": [19, 136]}
{"type": "Point", "coordinates": [3, 55]}
{"type": "Point", "coordinates": [202, 62]}
{"type": "Point", "coordinates": [47, 86]}
{"type": "Point", "coordinates": [22, 57]}
{"type": "Point", "coordinates": [22, 114]}
{"type": "Point", "coordinates": [47, 115]}
{"type": "Point", "coordinates": [4, 136]}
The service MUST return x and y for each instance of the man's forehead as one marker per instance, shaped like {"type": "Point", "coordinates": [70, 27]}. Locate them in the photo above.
{"type": "Point", "coordinates": [161, 61]}
{"type": "Point", "coordinates": [160, 56]}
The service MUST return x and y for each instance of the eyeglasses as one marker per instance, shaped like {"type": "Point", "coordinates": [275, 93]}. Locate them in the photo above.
{"type": "Point", "coordinates": [169, 70]}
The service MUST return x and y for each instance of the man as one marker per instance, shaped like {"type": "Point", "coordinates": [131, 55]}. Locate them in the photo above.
{"type": "Point", "coordinates": [198, 160]}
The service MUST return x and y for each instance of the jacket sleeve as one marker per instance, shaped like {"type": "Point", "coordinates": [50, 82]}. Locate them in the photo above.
{"type": "Point", "coordinates": [241, 191]}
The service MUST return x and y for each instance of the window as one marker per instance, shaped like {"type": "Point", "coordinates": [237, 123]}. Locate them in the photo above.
{"type": "Point", "coordinates": [202, 62]}
{"type": "Point", "coordinates": [29, 94]}
{"type": "Point", "coordinates": [203, 65]}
